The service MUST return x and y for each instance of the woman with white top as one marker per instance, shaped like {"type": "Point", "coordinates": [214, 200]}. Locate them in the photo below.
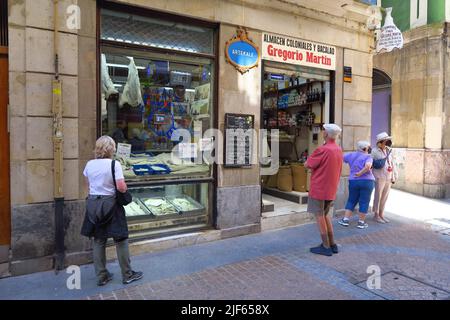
{"type": "Point", "coordinates": [385, 173]}
{"type": "Point", "coordinates": [105, 218]}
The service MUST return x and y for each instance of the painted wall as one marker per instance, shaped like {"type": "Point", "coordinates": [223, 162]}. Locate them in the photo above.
{"type": "Point", "coordinates": [381, 100]}
{"type": "Point", "coordinates": [409, 14]}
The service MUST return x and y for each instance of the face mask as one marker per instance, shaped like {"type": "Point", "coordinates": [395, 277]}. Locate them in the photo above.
{"type": "Point", "coordinates": [389, 143]}
{"type": "Point", "coordinates": [369, 150]}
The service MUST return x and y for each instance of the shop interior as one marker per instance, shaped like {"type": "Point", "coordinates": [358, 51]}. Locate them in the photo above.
{"type": "Point", "coordinates": [295, 101]}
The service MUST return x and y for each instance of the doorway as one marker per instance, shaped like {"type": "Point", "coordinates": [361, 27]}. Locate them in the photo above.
{"type": "Point", "coordinates": [295, 101]}
{"type": "Point", "coordinates": [5, 213]}
{"type": "Point", "coordinates": [381, 104]}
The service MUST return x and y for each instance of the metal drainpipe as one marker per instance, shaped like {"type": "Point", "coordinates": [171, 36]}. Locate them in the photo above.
{"type": "Point", "coordinates": [58, 151]}
{"type": "Point", "coordinates": [444, 58]}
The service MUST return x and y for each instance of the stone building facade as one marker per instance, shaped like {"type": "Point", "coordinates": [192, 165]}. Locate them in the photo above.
{"type": "Point", "coordinates": [31, 70]}
{"type": "Point", "coordinates": [420, 118]}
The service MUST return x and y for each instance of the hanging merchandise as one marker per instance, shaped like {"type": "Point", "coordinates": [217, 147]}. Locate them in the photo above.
{"type": "Point", "coordinates": [204, 74]}
{"type": "Point", "coordinates": [132, 91]}
{"type": "Point", "coordinates": [149, 70]}
{"type": "Point", "coordinates": [107, 84]}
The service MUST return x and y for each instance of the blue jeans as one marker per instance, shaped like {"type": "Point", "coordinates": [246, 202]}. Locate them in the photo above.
{"type": "Point", "coordinates": [360, 192]}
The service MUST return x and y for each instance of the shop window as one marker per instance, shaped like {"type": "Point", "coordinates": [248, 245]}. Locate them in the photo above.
{"type": "Point", "coordinates": [147, 95]}
{"type": "Point", "coordinates": [138, 30]}
{"type": "Point", "coordinates": [145, 99]}
{"type": "Point", "coordinates": [175, 205]}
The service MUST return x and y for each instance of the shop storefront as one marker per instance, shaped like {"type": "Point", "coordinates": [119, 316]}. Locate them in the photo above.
{"type": "Point", "coordinates": [158, 86]}
{"type": "Point", "coordinates": [140, 71]}
{"type": "Point", "coordinates": [297, 99]}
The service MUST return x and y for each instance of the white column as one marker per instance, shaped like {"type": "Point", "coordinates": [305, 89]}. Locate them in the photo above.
{"type": "Point", "coordinates": [447, 10]}
{"type": "Point", "coordinates": [419, 18]}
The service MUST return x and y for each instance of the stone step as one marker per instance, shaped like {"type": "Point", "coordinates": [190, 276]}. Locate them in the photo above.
{"type": "Point", "coordinates": [293, 196]}
{"type": "Point", "coordinates": [277, 221]}
{"type": "Point", "coordinates": [268, 206]}
{"type": "Point", "coordinates": [174, 241]}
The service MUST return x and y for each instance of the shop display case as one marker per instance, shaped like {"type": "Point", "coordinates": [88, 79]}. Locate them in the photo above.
{"type": "Point", "coordinates": [159, 206]}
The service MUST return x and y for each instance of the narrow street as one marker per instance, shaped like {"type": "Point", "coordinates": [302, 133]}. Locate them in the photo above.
{"type": "Point", "coordinates": [412, 253]}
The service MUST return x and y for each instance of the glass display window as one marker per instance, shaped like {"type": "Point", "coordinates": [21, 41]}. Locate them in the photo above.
{"type": "Point", "coordinates": [154, 95]}
{"type": "Point", "coordinates": [157, 76]}
{"type": "Point", "coordinates": [176, 205]}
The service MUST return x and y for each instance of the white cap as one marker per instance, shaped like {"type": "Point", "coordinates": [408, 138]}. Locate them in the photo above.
{"type": "Point", "coordinates": [332, 129]}
{"type": "Point", "coordinates": [383, 136]}
{"type": "Point", "coordinates": [363, 145]}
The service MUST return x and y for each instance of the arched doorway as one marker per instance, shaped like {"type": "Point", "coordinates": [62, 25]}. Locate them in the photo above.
{"type": "Point", "coordinates": [381, 104]}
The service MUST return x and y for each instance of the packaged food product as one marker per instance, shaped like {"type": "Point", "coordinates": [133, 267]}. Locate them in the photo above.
{"type": "Point", "coordinates": [160, 206]}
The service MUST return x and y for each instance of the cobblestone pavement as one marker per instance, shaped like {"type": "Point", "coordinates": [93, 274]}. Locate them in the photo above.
{"type": "Point", "coordinates": [414, 262]}
{"type": "Point", "coordinates": [413, 258]}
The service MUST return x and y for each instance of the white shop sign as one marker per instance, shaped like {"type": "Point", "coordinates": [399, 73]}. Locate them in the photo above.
{"type": "Point", "coordinates": [390, 36]}
{"type": "Point", "coordinates": [187, 150]}
{"type": "Point", "coordinates": [123, 150]}
{"type": "Point", "coordinates": [206, 144]}
{"type": "Point", "coordinates": [296, 51]}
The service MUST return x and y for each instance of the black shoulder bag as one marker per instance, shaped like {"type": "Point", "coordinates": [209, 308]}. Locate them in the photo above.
{"type": "Point", "coordinates": [122, 198]}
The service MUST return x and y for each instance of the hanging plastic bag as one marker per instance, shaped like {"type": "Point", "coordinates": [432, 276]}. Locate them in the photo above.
{"type": "Point", "coordinates": [132, 91]}
{"type": "Point", "coordinates": [107, 84]}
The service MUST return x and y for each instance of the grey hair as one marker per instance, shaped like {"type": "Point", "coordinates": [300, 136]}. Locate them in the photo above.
{"type": "Point", "coordinates": [362, 144]}
{"type": "Point", "coordinates": [333, 130]}
{"type": "Point", "coordinates": [105, 147]}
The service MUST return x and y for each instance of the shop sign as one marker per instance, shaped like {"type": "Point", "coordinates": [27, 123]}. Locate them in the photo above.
{"type": "Point", "coordinates": [390, 36]}
{"type": "Point", "coordinates": [206, 144]}
{"type": "Point", "coordinates": [348, 74]}
{"type": "Point", "coordinates": [296, 51]}
{"type": "Point", "coordinates": [241, 52]}
{"type": "Point", "coordinates": [187, 150]}
{"type": "Point", "coordinates": [277, 77]}
{"type": "Point", "coordinates": [238, 140]}
{"type": "Point", "coordinates": [123, 150]}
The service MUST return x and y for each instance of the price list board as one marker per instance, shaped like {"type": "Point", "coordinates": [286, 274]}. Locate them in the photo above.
{"type": "Point", "coordinates": [238, 140]}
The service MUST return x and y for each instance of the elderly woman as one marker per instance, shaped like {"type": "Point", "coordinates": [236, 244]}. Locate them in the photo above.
{"type": "Point", "coordinates": [361, 183]}
{"type": "Point", "coordinates": [385, 173]}
{"type": "Point", "coordinates": [105, 218]}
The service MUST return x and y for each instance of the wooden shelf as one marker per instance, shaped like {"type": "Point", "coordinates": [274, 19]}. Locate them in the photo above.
{"type": "Point", "coordinates": [288, 89]}
{"type": "Point", "coordinates": [305, 104]}
{"type": "Point", "coordinates": [271, 94]}
{"type": "Point", "coordinates": [283, 139]}
{"type": "Point", "coordinates": [295, 106]}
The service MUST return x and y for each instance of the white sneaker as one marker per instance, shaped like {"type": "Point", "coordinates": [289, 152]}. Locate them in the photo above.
{"type": "Point", "coordinates": [362, 225]}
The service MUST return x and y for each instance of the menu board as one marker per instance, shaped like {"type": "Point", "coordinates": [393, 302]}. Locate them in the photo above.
{"type": "Point", "coordinates": [238, 140]}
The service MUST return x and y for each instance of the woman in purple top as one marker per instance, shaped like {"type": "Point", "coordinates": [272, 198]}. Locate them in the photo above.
{"type": "Point", "coordinates": [361, 183]}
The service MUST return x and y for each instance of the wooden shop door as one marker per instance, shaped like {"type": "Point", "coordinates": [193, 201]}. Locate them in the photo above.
{"type": "Point", "coordinates": [5, 206]}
